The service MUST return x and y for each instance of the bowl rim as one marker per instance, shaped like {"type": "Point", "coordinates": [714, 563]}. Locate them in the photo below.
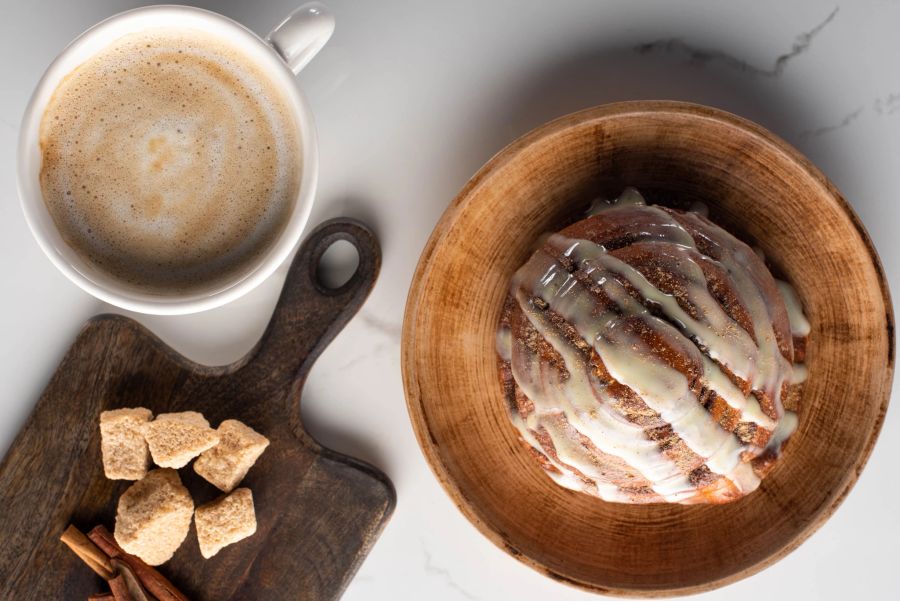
{"type": "Point", "coordinates": [415, 408]}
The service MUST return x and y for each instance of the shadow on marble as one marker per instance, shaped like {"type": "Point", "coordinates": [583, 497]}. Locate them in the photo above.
{"type": "Point", "coordinates": [667, 69]}
{"type": "Point", "coordinates": [353, 206]}
{"type": "Point", "coordinates": [337, 438]}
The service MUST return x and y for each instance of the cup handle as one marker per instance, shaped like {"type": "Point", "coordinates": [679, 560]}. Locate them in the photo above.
{"type": "Point", "coordinates": [302, 34]}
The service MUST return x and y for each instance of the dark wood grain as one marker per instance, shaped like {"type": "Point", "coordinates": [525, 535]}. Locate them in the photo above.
{"type": "Point", "coordinates": [318, 512]}
{"type": "Point", "coordinates": [756, 186]}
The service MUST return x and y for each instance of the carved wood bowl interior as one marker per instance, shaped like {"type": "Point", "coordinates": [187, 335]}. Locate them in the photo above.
{"type": "Point", "coordinates": [757, 187]}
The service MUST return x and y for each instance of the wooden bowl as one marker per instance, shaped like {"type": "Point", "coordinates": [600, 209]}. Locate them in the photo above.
{"type": "Point", "coordinates": [755, 185]}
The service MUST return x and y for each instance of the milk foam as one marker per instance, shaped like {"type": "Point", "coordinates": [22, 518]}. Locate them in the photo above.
{"type": "Point", "coordinates": [170, 160]}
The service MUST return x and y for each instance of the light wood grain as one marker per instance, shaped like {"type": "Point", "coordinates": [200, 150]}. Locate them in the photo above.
{"type": "Point", "coordinates": [756, 186]}
{"type": "Point", "coordinates": [318, 512]}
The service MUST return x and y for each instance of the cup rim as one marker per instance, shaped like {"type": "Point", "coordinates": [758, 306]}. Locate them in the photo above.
{"type": "Point", "coordinates": [32, 202]}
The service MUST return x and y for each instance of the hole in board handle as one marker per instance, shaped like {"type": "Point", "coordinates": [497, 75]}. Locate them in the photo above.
{"type": "Point", "coordinates": [337, 265]}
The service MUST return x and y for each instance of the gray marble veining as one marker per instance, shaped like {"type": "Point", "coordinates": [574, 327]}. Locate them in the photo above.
{"type": "Point", "coordinates": [445, 575]}
{"type": "Point", "coordinates": [888, 105]}
{"type": "Point", "coordinates": [703, 56]}
{"type": "Point", "coordinates": [825, 129]}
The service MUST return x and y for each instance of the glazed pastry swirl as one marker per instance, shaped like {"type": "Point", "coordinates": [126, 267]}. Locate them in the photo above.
{"type": "Point", "coordinates": [646, 353]}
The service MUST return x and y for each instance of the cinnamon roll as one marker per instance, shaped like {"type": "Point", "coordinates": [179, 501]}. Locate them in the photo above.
{"type": "Point", "coordinates": [649, 356]}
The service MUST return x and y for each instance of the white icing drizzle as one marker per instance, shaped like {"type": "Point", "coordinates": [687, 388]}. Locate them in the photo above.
{"type": "Point", "coordinates": [786, 427]}
{"type": "Point", "coordinates": [799, 373]}
{"type": "Point", "coordinates": [504, 343]}
{"type": "Point", "coordinates": [719, 382]}
{"type": "Point", "coordinates": [590, 415]}
{"type": "Point", "coordinates": [799, 324]}
{"type": "Point", "coordinates": [575, 392]}
{"type": "Point", "coordinates": [629, 197]}
{"type": "Point", "coordinates": [771, 369]}
{"type": "Point", "coordinates": [630, 362]}
{"type": "Point", "coordinates": [700, 208]}
{"type": "Point", "coordinates": [759, 253]}
{"type": "Point", "coordinates": [724, 339]}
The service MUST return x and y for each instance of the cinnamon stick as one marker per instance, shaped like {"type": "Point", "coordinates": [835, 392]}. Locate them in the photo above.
{"type": "Point", "coordinates": [119, 588]}
{"type": "Point", "coordinates": [95, 558]}
{"type": "Point", "coordinates": [102, 597]}
{"type": "Point", "coordinates": [135, 587]}
{"type": "Point", "coordinates": [155, 583]}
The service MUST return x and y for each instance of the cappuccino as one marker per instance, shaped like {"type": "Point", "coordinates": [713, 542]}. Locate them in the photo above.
{"type": "Point", "coordinates": [170, 161]}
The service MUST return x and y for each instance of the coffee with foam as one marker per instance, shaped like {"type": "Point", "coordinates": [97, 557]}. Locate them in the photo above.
{"type": "Point", "coordinates": [170, 161]}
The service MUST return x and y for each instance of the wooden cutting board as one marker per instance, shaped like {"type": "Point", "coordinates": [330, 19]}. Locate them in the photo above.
{"type": "Point", "coordinates": [318, 511]}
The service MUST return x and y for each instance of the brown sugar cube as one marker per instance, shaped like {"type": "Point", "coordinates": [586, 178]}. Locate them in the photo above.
{"type": "Point", "coordinates": [153, 516]}
{"type": "Point", "coordinates": [176, 438]}
{"type": "Point", "coordinates": [226, 520]}
{"type": "Point", "coordinates": [226, 464]}
{"type": "Point", "coordinates": [122, 443]}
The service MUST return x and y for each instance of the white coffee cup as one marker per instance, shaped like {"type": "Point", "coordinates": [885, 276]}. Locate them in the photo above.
{"type": "Point", "coordinates": [283, 53]}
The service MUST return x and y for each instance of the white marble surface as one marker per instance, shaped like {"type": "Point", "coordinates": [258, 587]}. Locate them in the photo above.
{"type": "Point", "coordinates": [411, 98]}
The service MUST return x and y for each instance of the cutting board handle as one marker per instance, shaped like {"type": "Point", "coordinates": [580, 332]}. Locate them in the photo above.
{"type": "Point", "coordinates": [309, 314]}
